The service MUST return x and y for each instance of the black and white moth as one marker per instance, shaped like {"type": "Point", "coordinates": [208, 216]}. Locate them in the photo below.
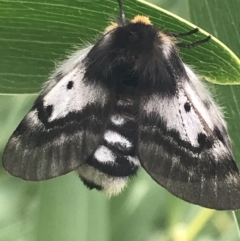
{"type": "Point", "coordinates": [129, 101]}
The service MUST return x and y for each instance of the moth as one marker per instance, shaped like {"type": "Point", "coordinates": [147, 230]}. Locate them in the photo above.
{"type": "Point", "coordinates": [126, 102]}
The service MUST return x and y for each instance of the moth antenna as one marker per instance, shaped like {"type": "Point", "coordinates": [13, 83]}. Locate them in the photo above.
{"type": "Point", "coordinates": [194, 44]}
{"type": "Point", "coordinates": [122, 14]}
{"type": "Point", "coordinates": [176, 35]}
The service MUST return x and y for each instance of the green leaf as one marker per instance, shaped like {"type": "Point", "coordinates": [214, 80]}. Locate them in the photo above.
{"type": "Point", "coordinates": [36, 34]}
{"type": "Point", "coordinates": [70, 214]}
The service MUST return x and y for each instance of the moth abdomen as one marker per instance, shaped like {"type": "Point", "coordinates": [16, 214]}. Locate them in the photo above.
{"type": "Point", "coordinates": [115, 160]}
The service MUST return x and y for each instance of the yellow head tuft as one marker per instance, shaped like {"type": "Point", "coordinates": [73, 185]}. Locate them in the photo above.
{"type": "Point", "coordinates": [141, 19]}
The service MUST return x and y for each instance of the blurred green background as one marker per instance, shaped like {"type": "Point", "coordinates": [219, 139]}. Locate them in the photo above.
{"type": "Point", "coordinates": [63, 209]}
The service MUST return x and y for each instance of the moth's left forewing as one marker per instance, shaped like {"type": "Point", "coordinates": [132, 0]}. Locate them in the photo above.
{"type": "Point", "coordinates": [64, 68]}
{"type": "Point", "coordinates": [64, 126]}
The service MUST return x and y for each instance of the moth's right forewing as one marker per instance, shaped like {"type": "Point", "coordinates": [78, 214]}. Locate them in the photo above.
{"type": "Point", "coordinates": [185, 147]}
{"type": "Point", "coordinates": [64, 126]}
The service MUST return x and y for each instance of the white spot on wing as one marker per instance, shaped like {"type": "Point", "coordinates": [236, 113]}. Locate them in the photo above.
{"type": "Point", "coordinates": [103, 154]}
{"type": "Point", "coordinates": [171, 111]}
{"type": "Point", "coordinates": [66, 67]}
{"type": "Point", "coordinates": [115, 138]}
{"type": "Point", "coordinates": [189, 124]}
{"type": "Point", "coordinates": [64, 100]}
{"type": "Point", "coordinates": [33, 120]}
{"type": "Point", "coordinates": [198, 93]}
